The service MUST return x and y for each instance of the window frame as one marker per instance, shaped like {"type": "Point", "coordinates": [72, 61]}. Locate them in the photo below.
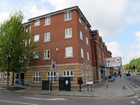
{"type": "Point", "coordinates": [82, 74]}
{"type": "Point", "coordinates": [47, 20]}
{"type": "Point", "coordinates": [46, 35]}
{"type": "Point", "coordinates": [47, 55]}
{"type": "Point", "coordinates": [70, 75]}
{"type": "Point", "coordinates": [36, 38]}
{"type": "Point", "coordinates": [69, 33]}
{"type": "Point", "coordinates": [88, 56]}
{"type": "Point", "coordinates": [71, 53]}
{"type": "Point", "coordinates": [81, 35]}
{"type": "Point", "coordinates": [87, 41]}
{"type": "Point", "coordinates": [36, 56]}
{"type": "Point", "coordinates": [51, 76]}
{"type": "Point", "coordinates": [37, 22]}
{"type": "Point", "coordinates": [82, 53]}
{"type": "Point", "coordinates": [37, 75]}
{"type": "Point", "coordinates": [21, 57]}
{"type": "Point", "coordinates": [67, 15]}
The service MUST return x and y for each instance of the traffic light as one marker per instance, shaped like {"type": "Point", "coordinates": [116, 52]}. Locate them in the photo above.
{"type": "Point", "coordinates": [133, 66]}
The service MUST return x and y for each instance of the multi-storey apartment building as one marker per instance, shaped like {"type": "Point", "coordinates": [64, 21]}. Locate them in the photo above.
{"type": "Point", "coordinates": [65, 37]}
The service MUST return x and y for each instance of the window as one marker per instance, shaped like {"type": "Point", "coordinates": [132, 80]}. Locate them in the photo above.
{"type": "Point", "coordinates": [68, 33]}
{"type": "Point", "coordinates": [0, 76]}
{"type": "Point", "coordinates": [46, 54]}
{"type": "Point", "coordinates": [37, 22]}
{"type": "Point", "coordinates": [80, 20]}
{"type": "Point", "coordinates": [82, 53]}
{"type": "Point", "coordinates": [68, 15]}
{"type": "Point", "coordinates": [47, 21]}
{"type": "Point", "coordinates": [51, 75]}
{"type": "Point", "coordinates": [82, 74]}
{"type": "Point", "coordinates": [86, 75]}
{"type": "Point", "coordinates": [36, 38]}
{"type": "Point", "coordinates": [36, 55]}
{"type": "Point", "coordinates": [87, 55]}
{"type": "Point", "coordinates": [24, 43]}
{"type": "Point", "coordinates": [68, 73]}
{"type": "Point", "coordinates": [81, 35]}
{"type": "Point", "coordinates": [85, 27]}
{"type": "Point", "coordinates": [87, 40]}
{"type": "Point", "coordinates": [68, 52]}
{"type": "Point", "coordinates": [22, 57]}
{"type": "Point", "coordinates": [36, 76]}
{"type": "Point", "coordinates": [47, 37]}
{"type": "Point", "coordinates": [5, 76]}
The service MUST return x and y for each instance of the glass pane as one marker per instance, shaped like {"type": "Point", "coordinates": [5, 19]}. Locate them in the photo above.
{"type": "Point", "coordinates": [66, 32]}
{"type": "Point", "coordinates": [48, 78]}
{"type": "Point", "coordinates": [36, 73]}
{"type": "Point", "coordinates": [70, 32]}
{"type": "Point", "coordinates": [48, 36]}
{"type": "Point", "coordinates": [39, 73]}
{"type": "Point", "coordinates": [51, 73]}
{"type": "Point", "coordinates": [54, 73]}
{"type": "Point", "coordinates": [49, 20]}
{"type": "Point", "coordinates": [36, 79]}
{"type": "Point", "coordinates": [64, 73]}
{"type": "Point", "coordinates": [65, 16]}
{"type": "Point", "coordinates": [69, 15]}
{"type": "Point", "coordinates": [71, 72]}
{"type": "Point", "coordinates": [39, 79]}
{"type": "Point", "coordinates": [48, 73]}
{"type": "Point", "coordinates": [48, 54]}
{"type": "Point", "coordinates": [71, 78]}
{"type": "Point", "coordinates": [54, 79]}
{"type": "Point", "coordinates": [51, 78]}
{"type": "Point", "coordinates": [67, 73]}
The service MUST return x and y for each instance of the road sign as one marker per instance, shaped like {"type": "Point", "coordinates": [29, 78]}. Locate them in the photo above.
{"type": "Point", "coordinates": [53, 65]}
{"type": "Point", "coordinates": [113, 62]}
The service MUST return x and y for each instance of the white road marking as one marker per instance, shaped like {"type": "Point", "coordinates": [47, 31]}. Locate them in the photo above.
{"type": "Point", "coordinates": [51, 99]}
{"type": "Point", "coordinates": [132, 102]}
{"type": "Point", "coordinates": [18, 102]}
{"type": "Point", "coordinates": [138, 99]}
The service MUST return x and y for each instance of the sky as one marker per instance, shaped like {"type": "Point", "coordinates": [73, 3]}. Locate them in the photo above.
{"type": "Point", "coordinates": [118, 21]}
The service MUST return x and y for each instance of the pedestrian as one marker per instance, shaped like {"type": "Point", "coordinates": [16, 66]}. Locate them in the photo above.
{"type": "Point", "coordinates": [120, 75]}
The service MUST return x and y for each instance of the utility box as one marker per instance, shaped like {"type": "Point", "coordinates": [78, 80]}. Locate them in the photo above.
{"type": "Point", "coordinates": [64, 84]}
{"type": "Point", "coordinates": [46, 85]}
{"type": "Point", "coordinates": [80, 80]}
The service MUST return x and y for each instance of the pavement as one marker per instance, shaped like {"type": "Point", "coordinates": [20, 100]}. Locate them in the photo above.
{"type": "Point", "coordinates": [99, 90]}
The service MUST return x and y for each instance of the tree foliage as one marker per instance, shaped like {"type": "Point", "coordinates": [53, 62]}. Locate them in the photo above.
{"type": "Point", "coordinates": [15, 50]}
{"type": "Point", "coordinates": [135, 62]}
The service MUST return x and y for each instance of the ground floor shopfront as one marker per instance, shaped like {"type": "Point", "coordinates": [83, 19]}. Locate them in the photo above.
{"type": "Point", "coordinates": [36, 74]}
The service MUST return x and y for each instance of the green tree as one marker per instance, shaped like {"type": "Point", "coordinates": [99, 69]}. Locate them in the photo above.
{"type": "Point", "coordinates": [15, 52]}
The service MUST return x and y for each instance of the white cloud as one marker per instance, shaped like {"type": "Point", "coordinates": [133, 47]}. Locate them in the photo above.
{"type": "Point", "coordinates": [31, 10]}
{"type": "Point", "coordinates": [133, 46]}
{"type": "Point", "coordinates": [3, 16]}
{"type": "Point", "coordinates": [114, 47]}
{"type": "Point", "coordinates": [134, 55]}
{"type": "Point", "coordinates": [138, 36]}
{"type": "Point", "coordinates": [107, 16]}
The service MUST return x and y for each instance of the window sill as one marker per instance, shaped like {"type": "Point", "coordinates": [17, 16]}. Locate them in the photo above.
{"type": "Point", "coordinates": [82, 40]}
{"type": "Point", "coordinates": [82, 58]}
{"type": "Point", "coordinates": [68, 20]}
{"type": "Point", "coordinates": [36, 58]}
{"type": "Point", "coordinates": [47, 24]}
{"type": "Point", "coordinates": [46, 41]}
{"type": "Point", "coordinates": [37, 26]}
{"type": "Point", "coordinates": [46, 59]}
{"type": "Point", "coordinates": [36, 41]}
{"type": "Point", "coordinates": [69, 57]}
{"type": "Point", "coordinates": [68, 38]}
{"type": "Point", "coordinates": [36, 82]}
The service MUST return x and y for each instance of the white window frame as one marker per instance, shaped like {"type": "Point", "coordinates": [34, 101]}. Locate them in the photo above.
{"type": "Point", "coordinates": [87, 55]}
{"type": "Point", "coordinates": [69, 51]}
{"type": "Point", "coordinates": [36, 76]}
{"type": "Point", "coordinates": [30, 28]}
{"type": "Point", "coordinates": [68, 33]}
{"type": "Point", "coordinates": [67, 15]}
{"type": "Point", "coordinates": [82, 74]}
{"type": "Point", "coordinates": [82, 52]}
{"type": "Point", "coordinates": [86, 27]}
{"type": "Point", "coordinates": [46, 54]}
{"type": "Point", "coordinates": [52, 75]}
{"type": "Point", "coordinates": [21, 57]}
{"type": "Point", "coordinates": [47, 21]}
{"type": "Point", "coordinates": [47, 37]}
{"type": "Point", "coordinates": [81, 35]}
{"type": "Point", "coordinates": [80, 20]}
{"type": "Point", "coordinates": [36, 38]}
{"type": "Point", "coordinates": [24, 43]}
{"type": "Point", "coordinates": [37, 22]}
{"type": "Point", "coordinates": [36, 56]}
{"type": "Point", "coordinates": [0, 76]}
{"type": "Point", "coordinates": [69, 73]}
{"type": "Point", "coordinates": [87, 40]}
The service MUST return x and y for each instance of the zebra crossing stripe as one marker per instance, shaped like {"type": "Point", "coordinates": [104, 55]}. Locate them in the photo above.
{"type": "Point", "coordinates": [132, 102]}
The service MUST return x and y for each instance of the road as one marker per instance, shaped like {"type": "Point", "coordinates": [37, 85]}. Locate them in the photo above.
{"type": "Point", "coordinates": [16, 98]}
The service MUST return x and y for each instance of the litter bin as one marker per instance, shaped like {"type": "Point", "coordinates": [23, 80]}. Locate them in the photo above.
{"type": "Point", "coordinates": [64, 84]}
{"type": "Point", "coordinates": [46, 84]}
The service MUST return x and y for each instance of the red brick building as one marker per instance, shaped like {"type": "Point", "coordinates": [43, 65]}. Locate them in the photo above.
{"type": "Point", "coordinates": [65, 37]}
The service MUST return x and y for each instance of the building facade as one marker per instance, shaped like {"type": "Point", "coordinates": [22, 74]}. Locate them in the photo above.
{"type": "Point", "coordinates": [65, 37]}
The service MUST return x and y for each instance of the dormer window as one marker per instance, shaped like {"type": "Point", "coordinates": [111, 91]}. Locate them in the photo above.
{"type": "Point", "coordinates": [68, 15]}
{"type": "Point", "coordinates": [86, 27]}
{"type": "Point", "coordinates": [37, 22]}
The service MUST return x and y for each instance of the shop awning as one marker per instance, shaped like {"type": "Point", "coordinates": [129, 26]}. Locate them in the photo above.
{"type": "Point", "coordinates": [102, 69]}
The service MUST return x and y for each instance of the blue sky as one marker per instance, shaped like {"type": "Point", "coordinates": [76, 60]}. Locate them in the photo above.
{"type": "Point", "coordinates": [118, 21]}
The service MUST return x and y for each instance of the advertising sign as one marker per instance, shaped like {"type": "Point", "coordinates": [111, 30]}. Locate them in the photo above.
{"type": "Point", "coordinates": [113, 62]}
